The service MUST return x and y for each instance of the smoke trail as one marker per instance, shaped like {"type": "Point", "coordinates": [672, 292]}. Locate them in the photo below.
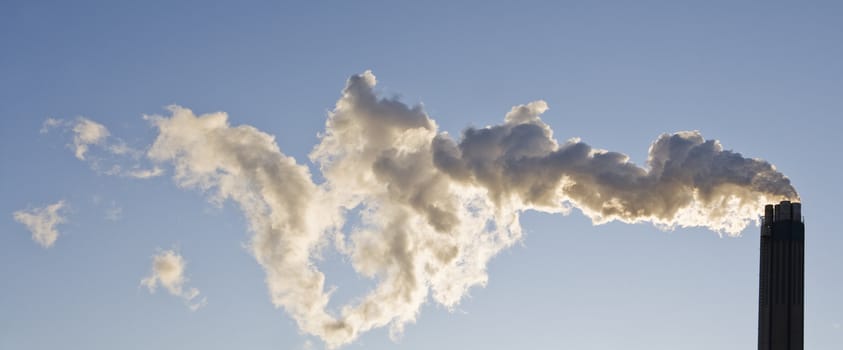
{"type": "Point", "coordinates": [690, 181]}
{"type": "Point", "coordinates": [433, 211]}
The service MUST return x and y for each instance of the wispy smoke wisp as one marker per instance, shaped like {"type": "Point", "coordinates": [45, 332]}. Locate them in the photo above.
{"type": "Point", "coordinates": [110, 154]}
{"type": "Point", "coordinates": [434, 210]}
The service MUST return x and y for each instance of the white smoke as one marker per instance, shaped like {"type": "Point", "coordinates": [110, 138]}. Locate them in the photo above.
{"type": "Point", "coordinates": [87, 133]}
{"type": "Point", "coordinates": [93, 144]}
{"type": "Point", "coordinates": [42, 222]}
{"type": "Point", "coordinates": [433, 211]}
{"type": "Point", "coordinates": [689, 181]}
{"type": "Point", "coordinates": [168, 271]}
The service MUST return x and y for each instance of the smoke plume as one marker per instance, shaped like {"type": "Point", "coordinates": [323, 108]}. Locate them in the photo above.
{"type": "Point", "coordinates": [434, 210]}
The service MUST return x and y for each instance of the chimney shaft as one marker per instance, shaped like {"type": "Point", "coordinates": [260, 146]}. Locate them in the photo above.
{"type": "Point", "coordinates": [782, 278]}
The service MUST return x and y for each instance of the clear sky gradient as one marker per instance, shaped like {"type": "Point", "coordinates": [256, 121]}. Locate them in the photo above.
{"type": "Point", "coordinates": [763, 77]}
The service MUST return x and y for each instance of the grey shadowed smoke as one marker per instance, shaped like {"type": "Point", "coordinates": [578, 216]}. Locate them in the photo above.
{"type": "Point", "coordinates": [434, 211]}
{"type": "Point", "coordinates": [520, 160]}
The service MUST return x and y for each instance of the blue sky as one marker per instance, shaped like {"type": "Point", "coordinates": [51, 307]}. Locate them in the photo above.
{"type": "Point", "coordinates": [764, 78]}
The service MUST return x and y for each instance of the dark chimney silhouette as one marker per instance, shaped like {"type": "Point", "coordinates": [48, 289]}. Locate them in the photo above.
{"type": "Point", "coordinates": [781, 293]}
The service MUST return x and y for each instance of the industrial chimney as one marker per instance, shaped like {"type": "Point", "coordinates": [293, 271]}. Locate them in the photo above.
{"type": "Point", "coordinates": [781, 294]}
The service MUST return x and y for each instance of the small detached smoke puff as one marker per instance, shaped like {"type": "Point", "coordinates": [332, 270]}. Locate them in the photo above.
{"type": "Point", "coordinates": [42, 222]}
{"type": "Point", "coordinates": [168, 272]}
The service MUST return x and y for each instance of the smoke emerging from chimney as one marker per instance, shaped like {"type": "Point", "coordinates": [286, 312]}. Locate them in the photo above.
{"type": "Point", "coordinates": [433, 210]}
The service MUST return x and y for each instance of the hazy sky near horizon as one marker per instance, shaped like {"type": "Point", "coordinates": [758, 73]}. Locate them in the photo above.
{"type": "Point", "coordinates": [763, 78]}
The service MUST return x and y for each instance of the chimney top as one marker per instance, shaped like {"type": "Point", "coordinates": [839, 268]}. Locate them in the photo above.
{"type": "Point", "coordinates": [785, 210]}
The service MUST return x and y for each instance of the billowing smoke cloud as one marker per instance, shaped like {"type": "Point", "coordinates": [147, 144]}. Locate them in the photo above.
{"type": "Point", "coordinates": [41, 222]}
{"type": "Point", "coordinates": [168, 272]}
{"type": "Point", "coordinates": [434, 210]}
{"type": "Point", "coordinates": [689, 181]}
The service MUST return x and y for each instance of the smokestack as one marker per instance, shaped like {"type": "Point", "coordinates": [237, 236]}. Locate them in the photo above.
{"type": "Point", "coordinates": [781, 296]}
